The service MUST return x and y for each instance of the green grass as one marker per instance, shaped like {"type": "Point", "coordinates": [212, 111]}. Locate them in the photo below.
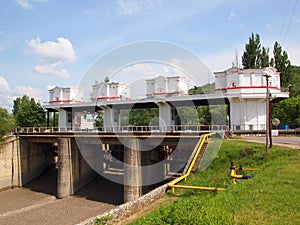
{"type": "Point", "coordinates": [272, 196]}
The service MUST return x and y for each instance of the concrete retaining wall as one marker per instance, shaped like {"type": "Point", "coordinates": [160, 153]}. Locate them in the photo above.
{"type": "Point", "coordinates": [125, 210]}
{"type": "Point", "coordinates": [34, 159]}
{"type": "Point", "coordinates": [82, 173]}
{"type": "Point", "coordinates": [9, 163]}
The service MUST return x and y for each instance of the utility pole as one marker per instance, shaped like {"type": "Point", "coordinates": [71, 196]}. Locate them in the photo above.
{"type": "Point", "coordinates": [268, 127]}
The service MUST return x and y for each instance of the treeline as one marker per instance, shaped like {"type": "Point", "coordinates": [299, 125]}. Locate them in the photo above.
{"type": "Point", "coordinates": [26, 112]}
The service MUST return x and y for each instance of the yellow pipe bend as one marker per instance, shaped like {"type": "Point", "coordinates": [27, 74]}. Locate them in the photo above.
{"type": "Point", "coordinates": [173, 183]}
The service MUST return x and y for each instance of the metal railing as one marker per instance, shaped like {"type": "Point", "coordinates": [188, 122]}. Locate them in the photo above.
{"type": "Point", "coordinates": [127, 129]}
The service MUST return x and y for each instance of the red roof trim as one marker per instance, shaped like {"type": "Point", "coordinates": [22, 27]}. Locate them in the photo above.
{"type": "Point", "coordinates": [55, 101]}
{"type": "Point", "coordinates": [240, 87]}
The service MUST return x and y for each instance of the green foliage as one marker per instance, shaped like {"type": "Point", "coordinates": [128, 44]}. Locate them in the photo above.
{"type": "Point", "coordinates": [218, 114]}
{"type": "Point", "coordinates": [288, 111]}
{"type": "Point", "coordinates": [140, 117]}
{"type": "Point", "coordinates": [295, 83]}
{"type": "Point", "coordinates": [28, 113]}
{"type": "Point", "coordinates": [282, 64]}
{"type": "Point", "coordinates": [270, 197]}
{"type": "Point", "coordinates": [256, 56]}
{"type": "Point", "coordinates": [7, 123]}
{"type": "Point", "coordinates": [187, 115]}
{"type": "Point", "coordinates": [99, 119]}
{"type": "Point", "coordinates": [103, 220]}
{"type": "Point", "coordinates": [106, 80]}
{"type": "Point", "coordinates": [205, 89]}
{"type": "Point", "coordinates": [204, 115]}
{"type": "Point", "coordinates": [263, 58]}
{"type": "Point", "coordinates": [251, 57]}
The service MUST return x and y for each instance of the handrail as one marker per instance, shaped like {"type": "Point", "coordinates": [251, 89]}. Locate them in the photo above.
{"type": "Point", "coordinates": [127, 129]}
{"type": "Point", "coordinates": [172, 184]}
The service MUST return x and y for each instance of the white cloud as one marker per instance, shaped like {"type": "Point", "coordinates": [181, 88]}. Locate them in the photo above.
{"type": "Point", "coordinates": [139, 68]}
{"type": "Point", "coordinates": [35, 93]}
{"type": "Point", "coordinates": [24, 4]}
{"type": "Point", "coordinates": [51, 69]}
{"type": "Point", "coordinates": [131, 7]}
{"type": "Point", "coordinates": [53, 55]}
{"type": "Point", "coordinates": [268, 26]}
{"type": "Point", "coordinates": [293, 51]}
{"type": "Point", "coordinates": [60, 50]}
{"type": "Point", "coordinates": [3, 85]}
{"type": "Point", "coordinates": [231, 15]}
{"type": "Point", "coordinates": [7, 95]}
{"type": "Point", "coordinates": [222, 60]}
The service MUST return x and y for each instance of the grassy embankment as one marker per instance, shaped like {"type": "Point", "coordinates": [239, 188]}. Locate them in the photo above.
{"type": "Point", "coordinates": [272, 196]}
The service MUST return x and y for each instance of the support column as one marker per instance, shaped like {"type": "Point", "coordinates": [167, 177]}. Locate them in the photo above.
{"type": "Point", "coordinates": [132, 170]}
{"type": "Point", "coordinates": [54, 118]}
{"type": "Point", "coordinates": [111, 117]}
{"type": "Point", "coordinates": [64, 175]}
{"type": "Point", "coordinates": [62, 118]}
{"type": "Point", "coordinates": [167, 115]}
{"type": "Point", "coordinates": [47, 118]}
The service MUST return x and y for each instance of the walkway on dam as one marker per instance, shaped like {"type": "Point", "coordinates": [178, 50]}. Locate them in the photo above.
{"type": "Point", "coordinates": [36, 202]}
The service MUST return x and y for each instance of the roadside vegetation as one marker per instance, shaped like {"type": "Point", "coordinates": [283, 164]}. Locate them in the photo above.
{"type": "Point", "coordinates": [272, 196]}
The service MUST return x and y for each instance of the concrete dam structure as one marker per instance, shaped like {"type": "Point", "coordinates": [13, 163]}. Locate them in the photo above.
{"type": "Point", "coordinates": [138, 162]}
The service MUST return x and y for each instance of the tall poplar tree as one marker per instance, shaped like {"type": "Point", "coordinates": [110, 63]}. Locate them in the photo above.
{"type": "Point", "coordinates": [282, 64]}
{"type": "Point", "coordinates": [250, 58]}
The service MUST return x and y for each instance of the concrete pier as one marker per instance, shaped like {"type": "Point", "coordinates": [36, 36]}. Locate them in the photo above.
{"type": "Point", "coordinates": [132, 169]}
{"type": "Point", "coordinates": [64, 178]}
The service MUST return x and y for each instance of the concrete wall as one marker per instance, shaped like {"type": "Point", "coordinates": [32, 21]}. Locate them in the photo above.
{"type": "Point", "coordinates": [9, 163]}
{"type": "Point", "coordinates": [34, 159]}
{"type": "Point", "coordinates": [73, 171]}
{"type": "Point", "coordinates": [82, 173]}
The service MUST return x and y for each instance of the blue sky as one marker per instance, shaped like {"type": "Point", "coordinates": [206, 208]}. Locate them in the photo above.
{"type": "Point", "coordinates": [46, 43]}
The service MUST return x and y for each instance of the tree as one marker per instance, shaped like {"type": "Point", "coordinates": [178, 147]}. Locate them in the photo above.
{"type": "Point", "coordinates": [106, 80]}
{"type": "Point", "coordinates": [99, 119]}
{"type": "Point", "coordinates": [28, 113]}
{"type": "Point", "coordinates": [263, 58]}
{"type": "Point", "coordinates": [142, 117]}
{"type": "Point", "coordinates": [282, 64]}
{"type": "Point", "coordinates": [204, 115]}
{"type": "Point", "coordinates": [250, 58]}
{"type": "Point", "coordinates": [208, 88]}
{"type": "Point", "coordinates": [288, 111]}
{"type": "Point", "coordinates": [294, 88]}
{"type": "Point", "coordinates": [6, 123]}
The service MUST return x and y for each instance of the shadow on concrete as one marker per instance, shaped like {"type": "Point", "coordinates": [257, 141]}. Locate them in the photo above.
{"type": "Point", "coordinates": [45, 183]}
{"type": "Point", "coordinates": [102, 190]}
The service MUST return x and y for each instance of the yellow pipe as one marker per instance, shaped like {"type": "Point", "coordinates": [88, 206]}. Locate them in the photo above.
{"type": "Point", "coordinates": [177, 180]}
{"type": "Point", "coordinates": [199, 188]}
{"type": "Point", "coordinates": [235, 176]}
{"type": "Point", "coordinates": [173, 183]}
{"type": "Point", "coordinates": [249, 168]}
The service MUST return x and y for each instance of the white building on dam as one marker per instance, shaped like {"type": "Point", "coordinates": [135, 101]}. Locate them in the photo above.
{"type": "Point", "coordinates": [244, 91]}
